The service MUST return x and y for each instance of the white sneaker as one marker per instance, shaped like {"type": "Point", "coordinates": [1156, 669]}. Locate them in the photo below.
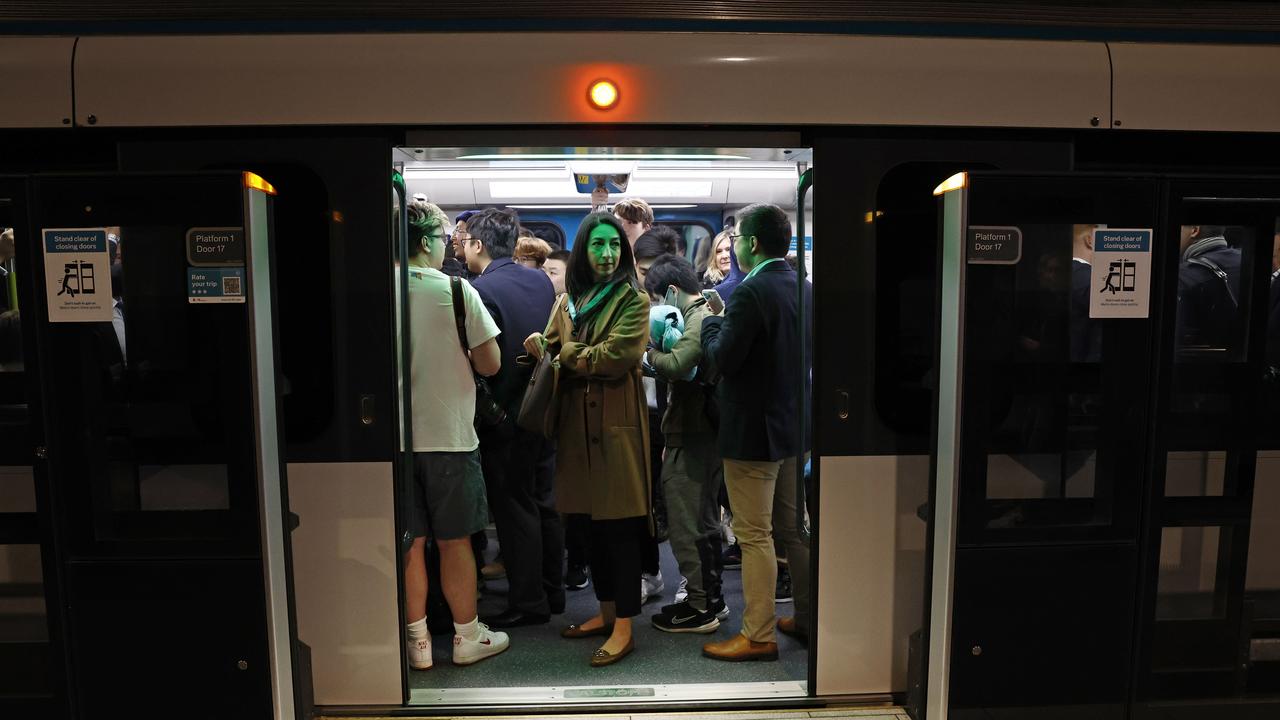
{"type": "Point", "coordinates": [651, 587]}
{"type": "Point", "coordinates": [682, 592]}
{"type": "Point", "coordinates": [490, 643]}
{"type": "Point", "coordinates": [420, 653]}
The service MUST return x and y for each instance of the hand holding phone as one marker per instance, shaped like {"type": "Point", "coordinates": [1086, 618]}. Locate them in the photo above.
{"type": "Point", "coordinates": [714, 303]}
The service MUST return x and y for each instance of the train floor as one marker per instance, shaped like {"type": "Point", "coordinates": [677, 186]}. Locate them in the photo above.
{"type": "Point", "coordinates": [540, 658]}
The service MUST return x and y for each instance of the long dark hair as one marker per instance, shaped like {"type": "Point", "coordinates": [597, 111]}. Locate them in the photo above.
{"type": "Point", "coordinates": [579, 278]}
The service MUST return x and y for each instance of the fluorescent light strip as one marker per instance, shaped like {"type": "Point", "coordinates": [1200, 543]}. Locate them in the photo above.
{"type": "Point", "coordinates": [600, 156]}
{"type": "Point", "coordinates": [565, 189]}
{"type": "Point", "coordinates": [478, 174]}
{"type": "Point", "coordinates": [647, 174]}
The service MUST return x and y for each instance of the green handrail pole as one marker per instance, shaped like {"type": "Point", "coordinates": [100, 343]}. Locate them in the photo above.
{"type": "Point", "coordinates": [802, 399]}
{"type": "Point", "coordinates": [406, 389]}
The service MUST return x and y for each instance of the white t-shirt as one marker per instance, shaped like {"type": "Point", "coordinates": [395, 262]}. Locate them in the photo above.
{"type": "Point", "coordinates": [444, 393]}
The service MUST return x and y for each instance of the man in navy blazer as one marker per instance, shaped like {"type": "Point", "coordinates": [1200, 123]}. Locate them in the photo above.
{"type": "Point", "coordinates": [518, 465]}
{"type": "Point", "coordinates": [755, 349]}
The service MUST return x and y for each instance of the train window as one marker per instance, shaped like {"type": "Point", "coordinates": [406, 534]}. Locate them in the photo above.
{"type": "Point", "coordinates": [548, 231]}
{"type": "Point", "coordinates": [694, 233]}
{"type": "Point", "coordinates": [906, 237]}
{"type": "Point", "coordinates": [308, 267]}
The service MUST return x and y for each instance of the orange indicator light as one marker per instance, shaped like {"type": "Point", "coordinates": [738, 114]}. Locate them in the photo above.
{"type": "Point", "coordinates": [603, 95]}
{"type": "Point", "coordinates": [255, 182]}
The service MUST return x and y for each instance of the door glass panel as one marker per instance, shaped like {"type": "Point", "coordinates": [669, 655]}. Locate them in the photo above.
{"type": "Point", "coordinates": [1045, 411]}
{"type": "Point", "coordinates": [1262, 582]}
{"type": "Point", "coordinates": [1188, 573]}
{"type": "Point", "coordinates": [1195, 473]}
{"type": "Point", "coordinates": [168, 375]}
{"type": "Point", "coordinates": [22, 608]}
{"type": "Point", "coordinates": [151, 429]}
{"type": "Point", "coordinates": [1213, 303]}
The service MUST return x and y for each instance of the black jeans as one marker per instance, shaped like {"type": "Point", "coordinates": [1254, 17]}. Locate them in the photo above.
{"type": "Point", "coordinates": [617, 547]}
{"type": "Point", "coordinates": [519, 473]}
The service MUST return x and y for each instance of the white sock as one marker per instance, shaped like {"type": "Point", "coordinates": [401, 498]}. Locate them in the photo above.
{"type": "Point", "coordinates": [468, 630]}
{"type": "Point", "coordinates": [418, 630]}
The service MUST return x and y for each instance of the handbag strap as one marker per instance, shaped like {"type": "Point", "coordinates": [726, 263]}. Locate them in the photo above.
{"type": "Point", "coordinates": [459, 312]}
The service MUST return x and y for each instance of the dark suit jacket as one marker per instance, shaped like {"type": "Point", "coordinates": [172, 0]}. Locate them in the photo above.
{"type": "Point", "coordinates": [1086, 333]}
{"type": "Point", "coordinates": [755, 348]}
{"type": "Point", "coordinates": [520, 300]}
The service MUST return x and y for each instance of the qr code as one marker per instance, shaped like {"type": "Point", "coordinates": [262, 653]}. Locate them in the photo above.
{"type": "Point", "coordinates": [231, 285]}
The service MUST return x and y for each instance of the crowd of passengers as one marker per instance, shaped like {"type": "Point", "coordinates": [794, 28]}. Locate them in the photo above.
{"type": "Point", "coordinates": [676, 405]}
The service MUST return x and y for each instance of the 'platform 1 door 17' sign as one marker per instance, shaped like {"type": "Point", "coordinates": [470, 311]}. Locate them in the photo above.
{"type": "Point", "coordinates": [1121, 286]}
{"type": "Point", "coordinates": [77, 275]}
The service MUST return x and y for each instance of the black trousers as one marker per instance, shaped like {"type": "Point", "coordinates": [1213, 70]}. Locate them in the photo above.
{"type": "Point", "coordinates": [519, 471]}
{"type": "Point", "coordinates": [617, 549]}
{"type": "Point", "coordinates": [577, 539]}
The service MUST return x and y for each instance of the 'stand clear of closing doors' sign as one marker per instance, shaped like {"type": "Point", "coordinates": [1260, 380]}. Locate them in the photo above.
{"type": "Point", "coordinates": [77, 275]}
{"type": "Point", "coordinates": [1121, 286]}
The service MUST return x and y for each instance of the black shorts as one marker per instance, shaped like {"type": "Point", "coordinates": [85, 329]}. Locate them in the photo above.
{"type": "Point", "coordinates": [448, 495]}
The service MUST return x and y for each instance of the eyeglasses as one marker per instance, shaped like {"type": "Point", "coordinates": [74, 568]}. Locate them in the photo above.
{"type": "Point", "coordinates": [733, 236]}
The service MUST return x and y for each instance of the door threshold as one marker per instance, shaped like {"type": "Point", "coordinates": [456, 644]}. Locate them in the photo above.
{"type": "Point", "coordinates": [598, 694]}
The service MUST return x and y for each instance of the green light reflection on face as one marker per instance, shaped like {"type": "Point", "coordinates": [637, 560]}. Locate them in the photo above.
{"type": "Point", "coordinates": [604, 251]}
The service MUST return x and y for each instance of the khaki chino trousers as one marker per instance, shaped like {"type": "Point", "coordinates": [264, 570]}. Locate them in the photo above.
{"type": "Point", "coordinates": [763, 496]}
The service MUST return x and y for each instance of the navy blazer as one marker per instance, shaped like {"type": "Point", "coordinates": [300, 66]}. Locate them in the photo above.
{"type": "Point", "coordinates": [520, 301]}
{"type": "Point", "coordinates": [755, 348]}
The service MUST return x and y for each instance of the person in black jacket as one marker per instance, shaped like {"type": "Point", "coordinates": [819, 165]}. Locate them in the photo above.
{"type": "Point", "coordinates": [519, 466]}
{"type": "Point", "coordinates": [1208, 291]}
{"type": "Point", "coordinates": [754, 347]}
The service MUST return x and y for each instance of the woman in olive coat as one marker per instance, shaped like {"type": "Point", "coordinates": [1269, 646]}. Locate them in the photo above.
{"type": "Point", "coordinates": [599, 331]}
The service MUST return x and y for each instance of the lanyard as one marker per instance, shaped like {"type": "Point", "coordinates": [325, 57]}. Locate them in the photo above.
{"type": "Point", "coordinates": [760, 267]}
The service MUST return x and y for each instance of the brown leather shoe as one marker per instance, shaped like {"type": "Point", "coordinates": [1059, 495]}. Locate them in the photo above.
{"type": "Point", "coordinates": [788, 626]}
{"type": "Point", "coordinates": [739, 649]}
{"type": "Point", "coordinates": [575, 632]}
{"type": "Point", "coordinates": [600, 658]}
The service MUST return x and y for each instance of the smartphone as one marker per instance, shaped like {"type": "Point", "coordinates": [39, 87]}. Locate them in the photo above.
{"type": "Point", "coordinates": [713, 300]}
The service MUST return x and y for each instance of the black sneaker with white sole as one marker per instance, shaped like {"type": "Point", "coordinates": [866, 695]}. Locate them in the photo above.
{"type": "Point", "coordinates": [718, 608]}
{"type": "Point", "coordinates": [685, 618]}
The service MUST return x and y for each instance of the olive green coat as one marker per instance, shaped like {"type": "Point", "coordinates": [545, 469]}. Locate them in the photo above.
{"type": "Point", "coordinates": [602, 452]}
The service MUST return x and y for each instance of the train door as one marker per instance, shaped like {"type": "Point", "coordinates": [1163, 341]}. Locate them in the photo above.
{"type": "Point", "coordinates": [30, 669]}
{"type": "Point", "coordinates": [1101, 413]}
{"type": "Point", "coordinates": [691, 192]}
{"type": "Point", "coordinates": [1209, 612]}
{"type": "Point", "coordinates": [153, 313]}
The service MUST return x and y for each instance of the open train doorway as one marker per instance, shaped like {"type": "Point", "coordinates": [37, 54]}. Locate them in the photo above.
{"type": "Point", "coordinates": [668, 202]}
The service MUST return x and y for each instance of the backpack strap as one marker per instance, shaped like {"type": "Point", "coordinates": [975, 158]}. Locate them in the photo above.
{"type": "Point", "coordinates": [1216, 269]}
{"type": "Point", "coordinates": [459, 311]}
